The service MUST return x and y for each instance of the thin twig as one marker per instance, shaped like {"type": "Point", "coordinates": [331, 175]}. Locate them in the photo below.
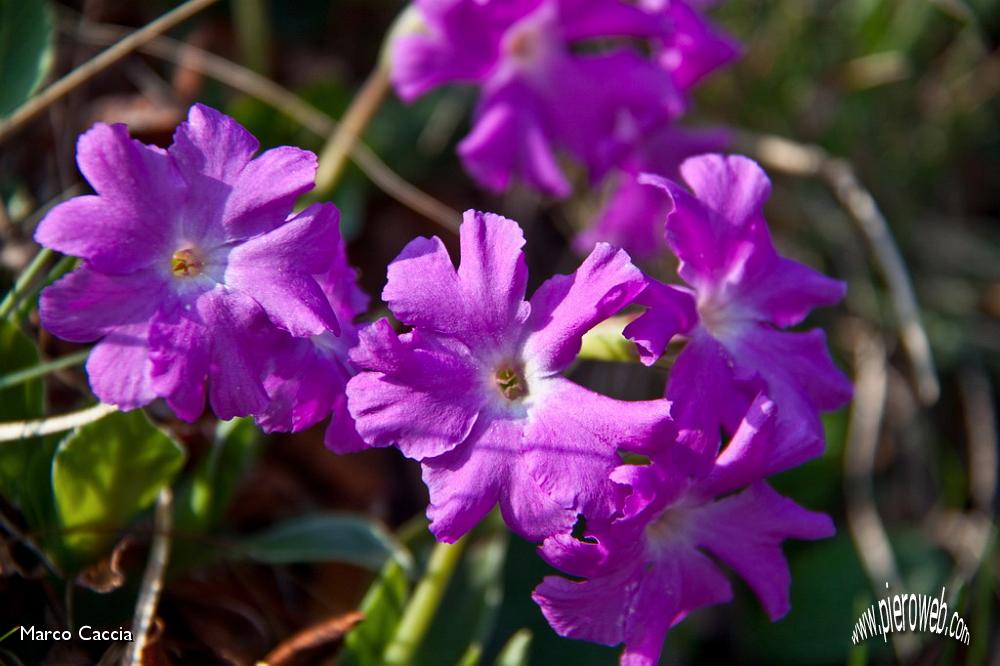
{"type": "Point", "coordinates": [17, 430]}
{"type": "Point", "coordinates": [250, 83]}
{"type": "Point", "coordinates": [364, 106]}
{"type": "Point", "coordinates": [152, 579]}
{"type": "Point", "coordinates": [98, 64]}
{"type": "Point", "coordinates": [870, 538]}
{"type": "Point", "coordinates": [799, 159]}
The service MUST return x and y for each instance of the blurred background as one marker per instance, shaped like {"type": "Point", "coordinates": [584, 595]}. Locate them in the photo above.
{"type": "Point", "coordinates": [898, 97]}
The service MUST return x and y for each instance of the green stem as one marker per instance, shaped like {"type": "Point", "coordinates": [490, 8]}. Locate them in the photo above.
{"type": "Point", "coordinates": [253, 33]}
{"type": "Point", "coordinates": [423, 605]}
{"type": "Point", "coordinates": [21, 376]}
{"type": "Point", "coordinates": [24, 281]}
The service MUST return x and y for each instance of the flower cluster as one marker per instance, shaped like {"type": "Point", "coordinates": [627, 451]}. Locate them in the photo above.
{"type": "Point", "coordinates": [601, 81]}
{"type": "Point", "coordinates": [197, 278]}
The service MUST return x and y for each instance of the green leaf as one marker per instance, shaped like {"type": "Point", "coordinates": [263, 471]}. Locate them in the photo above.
{"type": "Point", "coordinates": [26, 50]}
{"type": "Point", "coordinates": [323, 537]}
{"type": "Point", "coordinates": [24, 464]}
{"type": "Point", "coordinates": [107, 472]}
{"type": "Point", "coordinates": [515, 652]}
{"type": "Point", "coordinates": [383, 607]}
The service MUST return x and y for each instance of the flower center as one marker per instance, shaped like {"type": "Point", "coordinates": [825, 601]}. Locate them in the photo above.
{"type": "Point", "coordinates": [510, 381]}
{"type": "Point", "coordinates": [186, 263]}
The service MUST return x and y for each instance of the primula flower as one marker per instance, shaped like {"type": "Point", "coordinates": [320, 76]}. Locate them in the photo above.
{"type": "Point", "coordinates": [306, 376]}
{"type": "Point", "coordinates": [474, 393]}
{"type": "Point", "coordinates": [632, 216]}
{"type": "Point", "coordinates": [745, 294]}
{"type": "Point", "coordinates": [693, 48]}
{"type": "Point", "coordinates": [190, 261]}
{"type": "Point", "coordinates": [544, 87]}
{"type": "Point", "coordinates": [644, 572]}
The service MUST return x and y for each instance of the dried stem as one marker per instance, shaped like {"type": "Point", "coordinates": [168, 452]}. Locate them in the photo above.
{"type": "Point", "coordinates": [333, 157]}
{"type": "Point", "coordinates": [152, 580]}
{"type": "Point", "coordinates": [799, 159]}
{"type": "Point", "coordinates": [98, 64]}
{"type": "Point", "coordinates": [17, 430]}
{"type": "Point", "coordinates": [870, 538]}
{"type": "Point", "coordinates": [250, 83]}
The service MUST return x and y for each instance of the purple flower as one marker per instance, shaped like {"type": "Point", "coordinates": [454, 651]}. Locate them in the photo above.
{"type": "Point", "coordinates": [633, 214]}
{"type": "Point", "coordinates": [694, 48]}
{"type": "Point", "coordinates": [190, 262]}
{"type": "Point", "coordinates": [745, 293]}
{"type": "Point", "coordinates": [544, 88]}
{"type": "Point", "coordinates": [306, 376]}
{"type": "Point", "coordinates": [474, 393]}
{"type": "Point", "coordinates": [644, 572]}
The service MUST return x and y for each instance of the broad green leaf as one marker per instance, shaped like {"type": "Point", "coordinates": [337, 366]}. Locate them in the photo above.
{"type": "Point", "coordinates": [203, 498]}
{"type": "Point", "coordinates": [24, 464]}
{"type": "Point", "coordinates": [605, 342]}
{"type": "Point", "coordinates": [323, 537]}
{"type": "Point", "coordinates": [107, 472]}
{"type": "Point", "coordinates": [26, 50]}
{"type": "Point", "coordinates": [383, 607]}
{"type": "Point", "coordinates": [515, 652]}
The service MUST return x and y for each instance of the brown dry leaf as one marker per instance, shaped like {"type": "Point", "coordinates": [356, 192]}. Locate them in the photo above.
{"type": "Point", "coordinates": [300, 647]}
{"type": "Point", "coordinates": [106, 575]}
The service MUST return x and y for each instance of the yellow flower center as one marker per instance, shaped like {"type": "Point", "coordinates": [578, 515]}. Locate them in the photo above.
{"type": "Point", "coordinates": [510, 381]}
{"type": "Point", "coordinates": [186, 263]}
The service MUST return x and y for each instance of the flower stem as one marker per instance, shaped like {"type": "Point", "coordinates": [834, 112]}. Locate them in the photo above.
{"type": "Point", "coordinates": [24, 280]}
{"type": "Point", "coordinates": [21, 376]}
{"type": "Point", "coordinates": [423, 605]}
{"type": "Point", "coordinates": [16, 430]}
{"type": "Point", "coordinates": [359, 114]}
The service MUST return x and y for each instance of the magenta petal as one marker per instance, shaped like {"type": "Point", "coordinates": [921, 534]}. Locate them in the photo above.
{"type": "Point", "coordinates": [593, 610]}
{"type": "Point", "coordinates": [492, 273]}
{"type": "Point", "coordinates": [787, 292]}
{"type": "Point", "coordinates": [746, 530]}
{"type": "Point", "coordinates": [696, 48]}
{"type": "Point", "coordinates": [238, 343]}
{"type": "Point", "coordinates": [212, 144]}
{"type": "Point", "coordinates": [567, 306]}
{"type": "Point", "coordinates": [423, 396]}
{"type": "Point", "coordinates": [706, 397]}
{"type": "Point", "coordinates": [466, 483]}
{"type": "Point", "coordinates": [801, 379]}
{"type": "Point", "coordinates": [180, 347]}
{"type": "Point", "coordinates": [735, 187]}
{"type": "Point", "coordinates": [572, 440]}
{"type": "Point", "coordinates": [131, 224]}
{"type": "Point", "coordinates": [286, 258]}
{"type": "Point", "coordinates": [745, 458]}
{"type": "Point", "coordinates": [589, 19]}
{"type": "Point", "coordinates": [679, 582]}
{"type": "Point", "coordinates": [507, 142]}
{"type": "Point", "coordinates": [422, 288]}
{"type": "Point", "coordinates": [670, 311]}
{"type": "Point", "coordinates": [266, 189]}
{"type": "Point", "coordinates": [342, 434]}
{"type": "Point", "coordinates": [119, 368]}
{"type": "Point", "coordinates": [84, 305]}
{"type": "Point", "coordinates": [301, 386]}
